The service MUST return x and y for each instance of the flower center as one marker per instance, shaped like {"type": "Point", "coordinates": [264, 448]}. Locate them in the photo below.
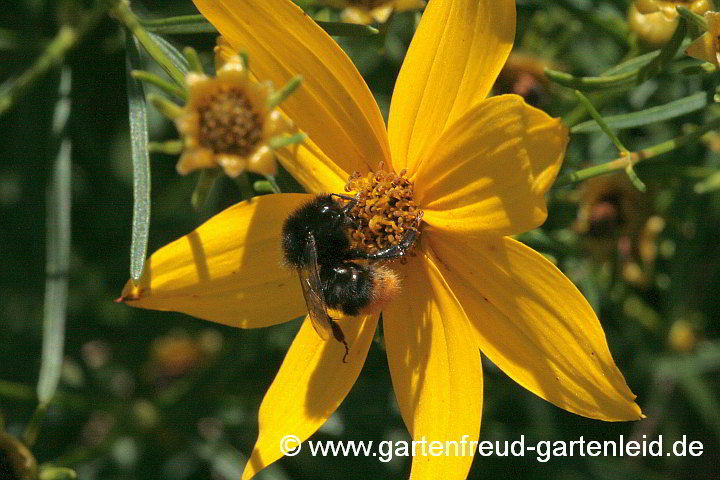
{"type": "Point", "coordinates": [368, 4]}
{"type": "Point", "coordinates": [228, 123]}
{"type": "Point", "coordinates": [384, 211]}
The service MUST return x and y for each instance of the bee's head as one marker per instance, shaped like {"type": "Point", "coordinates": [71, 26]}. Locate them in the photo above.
{"type": "Point", "coordinates": [332, 214]}
{"type": "Point", "coordinates": [322, 218]}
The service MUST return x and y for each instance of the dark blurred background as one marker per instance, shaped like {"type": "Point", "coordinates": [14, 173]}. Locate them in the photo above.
{"type": "Point", "coordinates": [149, 394]}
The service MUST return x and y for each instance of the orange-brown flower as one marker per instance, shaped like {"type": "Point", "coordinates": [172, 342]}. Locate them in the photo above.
{"type": "Point", "coordinates": [228, 121]}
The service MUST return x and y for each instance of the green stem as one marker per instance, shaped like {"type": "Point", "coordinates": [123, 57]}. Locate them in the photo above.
{"type": "Point", "coordinates": [25, 393]}
{"type": "Point", "coordinates": [181, 24]}
{"type": "Point", "coordinates": [693, 17]}
{"type": "Point", "coordinates": [625, 79]}
{"type": "Point", "coordinates": [66, 38]}
{"type": "Point", "coordinates": [122, 12]}
{"type": "Point", "coordinates": [191, 24]}
{"type": "Point", "coordinates": [600, 121]}
{"type": "Point", "coordinates": [634, 158]}
{"type": "Point", "coordinates": [33, 428]}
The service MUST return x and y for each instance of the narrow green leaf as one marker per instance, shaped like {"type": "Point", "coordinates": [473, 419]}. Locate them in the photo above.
{"type": "Point", "coordinates": [276, 98]}
{"type": "Point", "coordinates": [701, 396]}
{"type": "Point", "coordinates": [49, 472]}
{"type": "Point", "coordinates": [141, 164]}
{"type": "Point", "coordinates": [660, 113]}
{"type": "Point", "coordinates": [184, 24]}
{"type": "Point", "coordinates": [340, 29]}
{"type": "Point", "coordinates": [170, 147]}
{"type": "Point", "coordinates": [632, 64]}
{"type": "Point", "coordinates": [600, 121]}
{"type": "Point", "coordinates": [193, 59]}
{"type": "Point", "coordinates": [172, 53]}
{"type": "Point", "coordinates": [164, 85]}
{"type": "Point", "coordinates": [634, 179]}
{"type": "Point", "coordinates": [202, 189]}
{"type": "Point", "coordinates": [263, 186]}
{"type": "Point", "coordinates": [193, 24]}
{"type": "Point", "coordinates": [56, 283]}
{"type": "Point", "coordinates": [693, 17]}
{"type": "Point", "coordinates": [277, 143]}
{"type": "Point", "coordinates": [626, 78]}
{"type": "Point", "coordinates": [58, 260]}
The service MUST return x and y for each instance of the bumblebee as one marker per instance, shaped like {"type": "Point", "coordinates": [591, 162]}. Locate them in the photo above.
{"type": "Point", "coordinates": [333, 275]}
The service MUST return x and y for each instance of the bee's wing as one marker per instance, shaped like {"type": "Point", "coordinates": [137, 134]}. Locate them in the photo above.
{"type": "Point", "coordinates": [312, 290]}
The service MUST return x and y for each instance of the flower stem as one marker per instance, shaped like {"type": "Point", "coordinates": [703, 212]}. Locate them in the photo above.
{"type": "Point", "coordinates": [600, 121]}
{"type": "Point", "coordinates": [122, 12]}
{"type": "Point", "coordinates": [33, 428]}
{"type": "Point", "coordinates": [629, 78]}
{"type": "Point", "coordinates": [634, 158]}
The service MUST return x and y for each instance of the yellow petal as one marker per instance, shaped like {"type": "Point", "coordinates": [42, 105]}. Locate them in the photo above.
{"type": "Point", "coordinates": [333, 105]}
{"type": "Point", "coordinates": [455, 56]}
{"type": "Point", "coordinates": [533, 323]}
{"type": "Point", "coordinates": [311, 384]}
{"type": "Point", "coordinates": [435, 368]}
{"type": "Point", "coordinates": [312, 168]}
{"type": "Point", "coordinates": [229, 270]}
{"type": "Point", "coordinates": [707, 47]}
{"type": "Point", "coordinates": [490, 169]}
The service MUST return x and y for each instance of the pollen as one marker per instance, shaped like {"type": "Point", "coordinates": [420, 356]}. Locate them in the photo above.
{"type": "Point", "coordinates": [384, 211]}
{"type": "Point", "coordinates": [228, 122]}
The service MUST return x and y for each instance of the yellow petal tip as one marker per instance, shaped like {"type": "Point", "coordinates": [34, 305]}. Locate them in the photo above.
{"type": "Point", "coordinates": [131, 292]}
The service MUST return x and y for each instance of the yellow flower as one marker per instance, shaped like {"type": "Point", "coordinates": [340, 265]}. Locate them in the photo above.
{"type": "Point", "coordinates": [654, 21]}
{"type": "Point", "coordinates": [480, 167]}
{"type": "Point", "coordinates": [367, 11]}
{"type": "Point", "coordinates": [228, 121]}
{"type": "Point", "coordinates": [707, 47]}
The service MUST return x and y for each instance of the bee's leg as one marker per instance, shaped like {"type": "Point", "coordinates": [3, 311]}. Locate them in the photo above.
{"type": "Point", "coordinates": [340, 337]}
{"type": "Point", "coordinates": [395, 251]}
